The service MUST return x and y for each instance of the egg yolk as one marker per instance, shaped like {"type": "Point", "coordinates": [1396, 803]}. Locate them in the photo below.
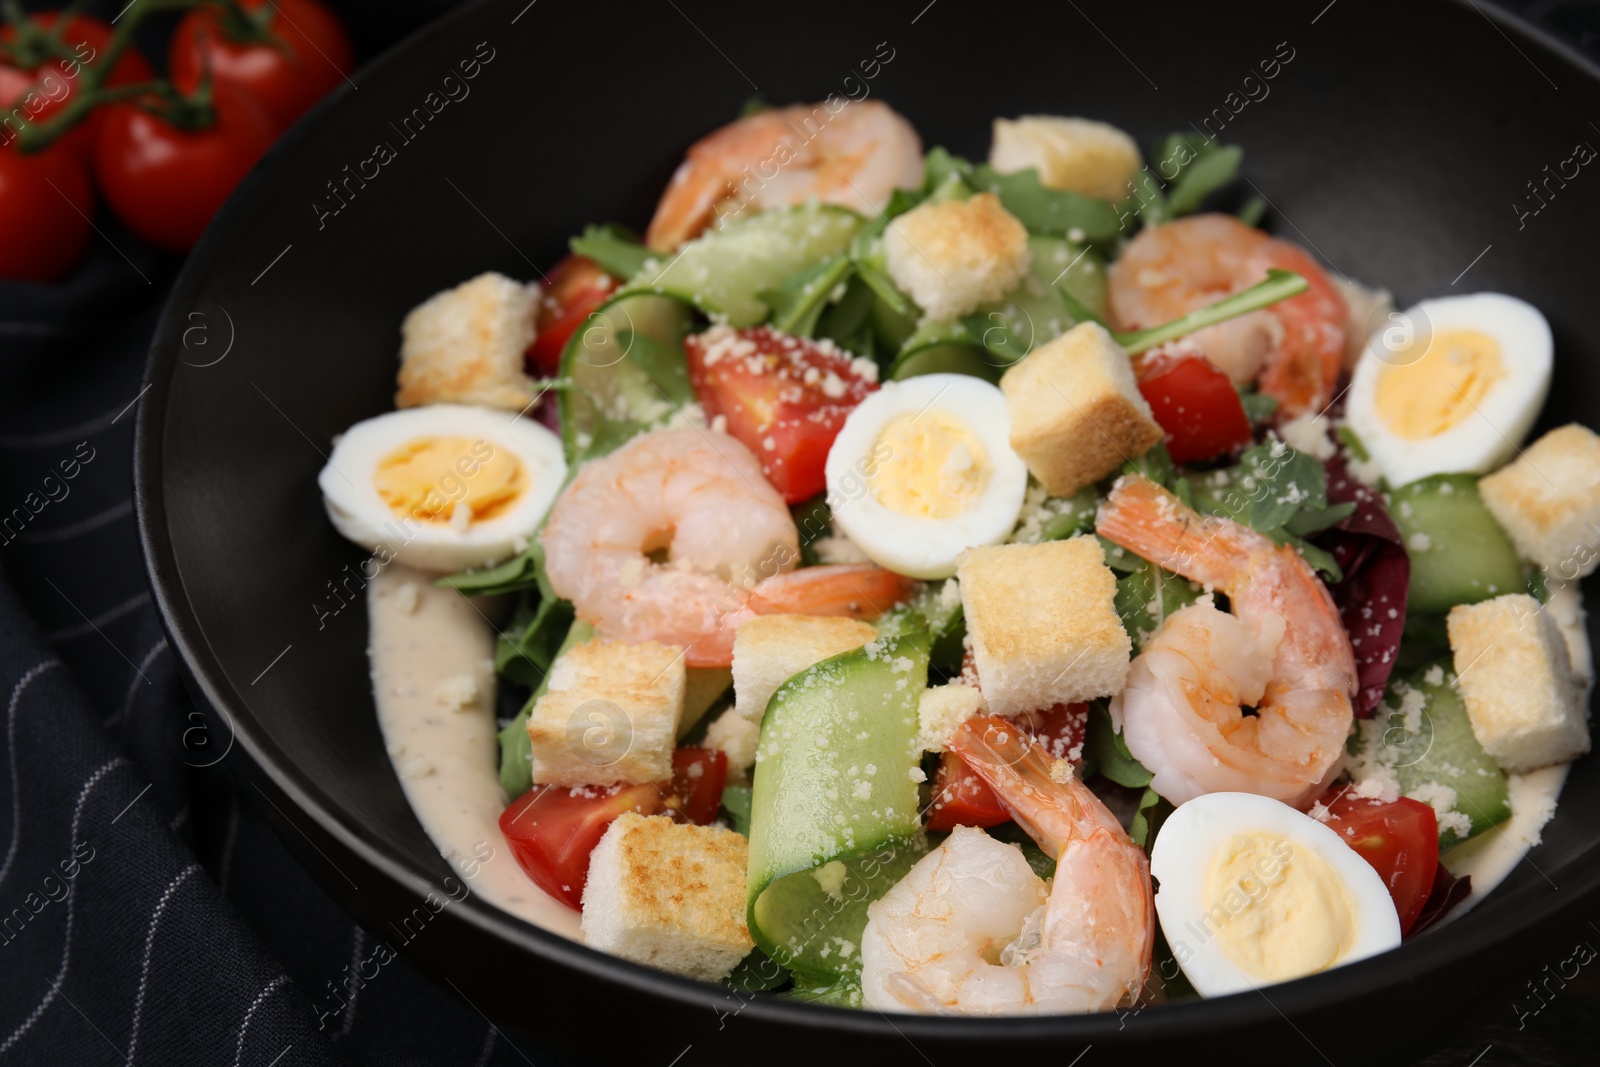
{"type": "Point", "coordinates": [931, 467]}
{"type": "Point", "coordinates": [429, 478]}
{"type": "Point", "coordinates": [1277, 909]}
{"type": "Point", "coordinates": [1436, 391]}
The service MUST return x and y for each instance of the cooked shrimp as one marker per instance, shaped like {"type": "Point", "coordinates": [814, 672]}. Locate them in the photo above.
{"type": "Point", "coordinates": [1283, 652]}
{"type": "Point", "coordinates": [971, 930]}
{"type": "Point", "coordinates": [729, 542]}
{"type": "Point", "coordinates": [855, 156]}
{"type": "Point", "coordinates": [1296, 348]}
{"type": "Point", "coordinates": [698, 496]}
{"type": "Point", "coordinates": [858, 590]}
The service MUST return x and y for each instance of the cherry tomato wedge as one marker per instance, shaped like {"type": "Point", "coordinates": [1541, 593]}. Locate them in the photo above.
{"type": "Point", "coordinates": [575, 287]}
{"type": "Point", "coordinates": [961, 798]}
{"type": "Point", "coordinates": [38, 92]}
{"type": "Point", "coordinates": [552, 830]}
{"type": "Point", "coordinates": [1195, 404]}
{"type": "Point", "coordinates": [1399, 838]}
{"type": "Point", "coordinates": [297, 55]}
{"type": "Point", "coordinates": [166, 183]}
{"type": "Point", "coordinates": [45, 205]}
{"type": "Point", "coordinates": [785, 398]}
{"type": "Point", "coordinates": [698, 775]}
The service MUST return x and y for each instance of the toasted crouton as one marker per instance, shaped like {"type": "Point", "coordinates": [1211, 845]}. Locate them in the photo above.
{"type": "Point", "coordinates": [465, 346]}
{"type": "Point", "coordinates": [668, 894]}
{"type": "Point", "coordinates": [1078, 155]}
{"type": "Point", "coordinates": [1043, 625]}
{"type": "Point", "coordinates": [768, 650]}
{"type": "Point", "coordinates": [1548, 501]}
{"type": "Point", "coordinates": [736, 737]}
{"type": "Point", "coordinates": [953, 255]}
{"type": "Point", "coordinates": [942, 709]}
{"type": "Point", "coordinates": [610, 714]}
{"type": "Point", "coordinates": [1076, 411]}
{"type": "Point", "coordinates": [1514, 674]}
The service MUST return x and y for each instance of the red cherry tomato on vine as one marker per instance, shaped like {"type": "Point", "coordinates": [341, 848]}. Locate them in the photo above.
{"type": "Point", "coordinates": [167, 183]}
{"type": "Point", "coordinates": [45, 204]}
{"type": "Point", "coordinates": [37, 91]}
{"type": "Point", "coordinates": [310, 54]}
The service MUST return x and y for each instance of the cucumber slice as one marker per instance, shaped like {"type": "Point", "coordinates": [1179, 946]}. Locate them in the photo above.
{"type": "Point", "coordinates": [1422, 736]}
{"type": "Point", "coordinates": [722, 272]}
{"type": "Point", "coordinates": [944, 348]}
{"type": "Point", "coordinates": [1459, 553]}
{"type": "Point", "coordinates": [834, 808]}
{"type": "Point", "coordinates": [945, 357]}
{"type": "Point", "coordinates": [1079, 269]}
{"type": "Point", "coordinates": [623, 372]}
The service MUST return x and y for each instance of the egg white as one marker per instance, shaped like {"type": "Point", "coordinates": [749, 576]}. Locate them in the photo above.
{"type": "Point", "coordinates": [913, 545]}
{"type": "Point", "coordinates": [1488, 435]}
{"type": "Point", "coordinates": [360, 514]}
{"type": "Point", "coordinates": [1181, 863]}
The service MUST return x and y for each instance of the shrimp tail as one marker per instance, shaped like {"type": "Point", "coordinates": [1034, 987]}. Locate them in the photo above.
{"type": "Point", "coordinates": [854, 590]}
{"type": "Point", "coordinates": [1025, 781]}
{"type": "Point", "coordinates": [1154, 524]}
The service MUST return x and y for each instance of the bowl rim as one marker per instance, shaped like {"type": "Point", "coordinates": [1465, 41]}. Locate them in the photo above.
{"type": "Point", "coordinates": [264, 762]}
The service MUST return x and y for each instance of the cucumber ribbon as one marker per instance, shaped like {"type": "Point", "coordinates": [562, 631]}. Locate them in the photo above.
{"type": "Point", "coordinates": [834, 816]}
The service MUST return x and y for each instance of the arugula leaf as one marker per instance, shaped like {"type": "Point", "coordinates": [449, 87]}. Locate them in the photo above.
{"type": "Point", "coordinates": [938, 167]}
{"type": "Point", "coordinates": [525, 649]}
{"type": "Point", "coordinates": [1278, 491]}
{"type": "Point", "coordinates": [516, 750]}
{"type": "Point", "coordinates": [616, 249]}
{"type": "Point", "coordinates": [1253, 211]}
{"type": "Point", "coordinates": [1145, 598]}
{"type": "Point", "coordinates": [1319, 558]}
{"type": "Point", "coordinates": [1048, 211]}
{"type": "Point", "coordinates": [513, 576]}
{"type": "Point", "coordinates": [865, 244]}
{"type": "Point", "coordinates": [848, 322]}
{"type": "Point", "coordinates": [885, 290]}
{"type": "Point", "coordinates": [1308, 521]}
{"type": "Point", "coordinates": [1258, 407]}
{"type": "Point", "coordinates": [1279, 285]}
{"type": "Point", "coordinates": [1147, 202]}
{"type": "Point", "coordinates": [1155, 464]}
{"type": "Point", "coordinates": [1110, 752]}
{"type": "Point", "coordinates": [798, 303]}
{"type": "Point", "coordinates": [1204, 176]}
{"type": "Point", "coordinates": [1147, 819]}
{"type": "Point", "coordinates": [1270, 485]}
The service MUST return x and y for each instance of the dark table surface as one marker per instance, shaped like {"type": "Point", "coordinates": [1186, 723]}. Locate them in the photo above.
{"type": "Point", "coordinates": [189, 935]}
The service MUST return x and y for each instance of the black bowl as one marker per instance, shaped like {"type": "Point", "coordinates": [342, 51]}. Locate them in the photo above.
{"type": "Point", "coordinates": [1398, 141]}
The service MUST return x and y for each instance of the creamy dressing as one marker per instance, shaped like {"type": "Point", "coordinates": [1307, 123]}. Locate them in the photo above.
{"type": "Point", "coordinates": [1493, 855]}
{"type": "Point", "coordinates": [433, 679]}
